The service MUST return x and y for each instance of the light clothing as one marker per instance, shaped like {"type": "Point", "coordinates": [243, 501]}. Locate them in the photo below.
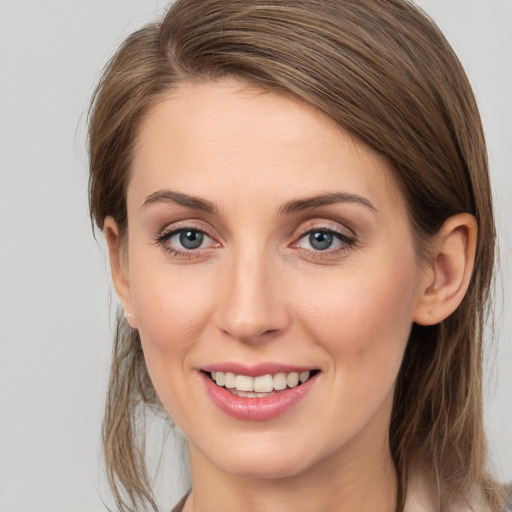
{"type": "Point", "coordinates": [419, 499]}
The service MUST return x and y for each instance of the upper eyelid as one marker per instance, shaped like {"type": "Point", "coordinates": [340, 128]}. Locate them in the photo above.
{"type": "Point", "coordinates": [176, 227]}
{"type": "Point", "coordinates": [167, 234]}
{"type": "Point", "coordinates": [164, 241]}
{"type": "Point", "coordinates": [342, 237]}
{"type": "Point", "coordinates": [346, 236]}
{"type": "Point", "coordinates": [329, 229]}
{"type": "Point", "coordinates": [324, 225]}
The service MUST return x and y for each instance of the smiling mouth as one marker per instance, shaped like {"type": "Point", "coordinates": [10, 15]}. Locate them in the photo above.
{"type": "Point", "coordinates": [261, 386]}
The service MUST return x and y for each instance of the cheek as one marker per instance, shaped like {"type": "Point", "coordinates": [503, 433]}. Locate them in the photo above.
{"type": "Point", "coordinates": [172, 310]}
{"type": "Point", "coordinates": [362, 324]}
{"type": "Point", "coordinates": [363, 320]}
{"type": "Point", "coordinates": [170, 317]}
{"type": "Point", "coordinates": [171, 306]}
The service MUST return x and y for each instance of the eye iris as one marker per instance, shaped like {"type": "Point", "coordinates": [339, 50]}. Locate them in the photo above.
{"type": "Point", "coordinates": [320, 240]}
{"type": "Point", "coordinates": [191, 239]}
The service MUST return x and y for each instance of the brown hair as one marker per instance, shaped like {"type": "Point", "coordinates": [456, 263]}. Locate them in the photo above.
{"type": "Point", "coordinates": [384, 72]}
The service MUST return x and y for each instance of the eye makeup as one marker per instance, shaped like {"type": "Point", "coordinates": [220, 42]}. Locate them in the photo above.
{"type": "Point", "coordinates": [188, 241]}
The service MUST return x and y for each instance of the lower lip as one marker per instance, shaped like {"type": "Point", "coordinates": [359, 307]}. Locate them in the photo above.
{"type": "Point", "coordinates": [256, 409]}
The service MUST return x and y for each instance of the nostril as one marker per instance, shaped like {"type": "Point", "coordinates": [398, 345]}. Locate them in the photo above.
{"type": "Point", "coordinates": [248, 333]}
{"type": "Point", "coordinates": [250, 309]}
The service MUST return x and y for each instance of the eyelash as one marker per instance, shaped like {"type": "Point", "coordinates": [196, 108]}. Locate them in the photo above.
{"type": "Point", "coordinates": [164, 238]}
{"type": "Point", "coordinates": [347, 242]}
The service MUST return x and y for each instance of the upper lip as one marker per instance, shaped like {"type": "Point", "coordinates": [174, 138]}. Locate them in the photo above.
{"type": "Point", "coordinates": [255, 370]}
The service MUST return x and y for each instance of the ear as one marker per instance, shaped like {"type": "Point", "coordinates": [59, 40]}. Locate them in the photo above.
{"type": "Point", "coordinates": [448, 273]}
{"type": "Point", "coordinates": [119, 268]}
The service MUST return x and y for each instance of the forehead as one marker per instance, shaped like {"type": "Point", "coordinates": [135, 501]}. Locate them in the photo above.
{"type": "Point", "coordinates": [203, 136]}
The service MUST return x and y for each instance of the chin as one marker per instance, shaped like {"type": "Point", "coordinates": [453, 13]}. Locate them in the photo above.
{"type": "Point", "coordinates": [272, 461]}
{"type": "Point", "coordinates": [267, 469]}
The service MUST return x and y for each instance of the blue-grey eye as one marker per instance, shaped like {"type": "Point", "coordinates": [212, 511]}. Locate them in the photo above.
{"type": "Point", "coordinates": [321, 240]}
{"type": "Point", "coordinates": [191, 239]}
{"type": "Point", "coordinates": [186, 242]}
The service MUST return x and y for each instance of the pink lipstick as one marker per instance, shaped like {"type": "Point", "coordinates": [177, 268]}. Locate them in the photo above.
{"type": "Point", "coordinates": [257, 393]}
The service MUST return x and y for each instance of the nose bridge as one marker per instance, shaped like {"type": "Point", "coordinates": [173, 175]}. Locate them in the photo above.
{"type": "Point", "coordinates": [251, 307]}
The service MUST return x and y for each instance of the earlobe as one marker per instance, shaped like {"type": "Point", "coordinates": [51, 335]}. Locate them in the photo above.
{"type": "Point", "coordinates": [119, 268]}
{"type": "Point", "coordinates": [449, 271]}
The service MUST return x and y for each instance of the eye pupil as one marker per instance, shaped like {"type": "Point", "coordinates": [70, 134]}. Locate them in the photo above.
{"type": "Point", "coordinates": [191, 239]}
{"type": "Point", "coordinates": [320, 240]}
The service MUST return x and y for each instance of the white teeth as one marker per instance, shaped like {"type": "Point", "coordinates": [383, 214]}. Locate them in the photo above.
{"type": "Point", "coordinates": [220, 378]}
{"type": "Point", "coordinates": [304, 376]}
{"type": "Point", "coordinates": [243, 383]}
{"type": "Point", "coordinates": [250, 394]}
{"type": "Point", "coordinates": [254, 386]}
{"type": "Point", "coordinates": [229, 380]}
{"type": "Point", "coordinates": [263, 384]}
{"type": "Point", "coordinates": [292, 379]}
{"type": "Point", "coordinates": [279, 381]}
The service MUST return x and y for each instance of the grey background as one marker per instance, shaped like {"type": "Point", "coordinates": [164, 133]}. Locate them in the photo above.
{"type": "Point", "coordinates": [55, 296]}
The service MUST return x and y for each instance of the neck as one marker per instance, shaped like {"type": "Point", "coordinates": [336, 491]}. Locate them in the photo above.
{"type": "Point", "coordinates": [361, 477]}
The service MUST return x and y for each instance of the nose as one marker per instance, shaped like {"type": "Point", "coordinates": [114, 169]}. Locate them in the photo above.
{"type": "Point", "coordinates": [252, 308]}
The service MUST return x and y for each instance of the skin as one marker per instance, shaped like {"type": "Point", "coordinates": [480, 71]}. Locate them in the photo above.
{"type": "Point", "coordinates": [258, 291]}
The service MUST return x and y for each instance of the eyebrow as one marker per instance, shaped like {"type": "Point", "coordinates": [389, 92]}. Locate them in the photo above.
{"type": "Point", "coordinates": [196, 203]}
{"type": "Point", "coordinates": [186, 200]}
{"type": "Point", "coordinates": [310, 203]}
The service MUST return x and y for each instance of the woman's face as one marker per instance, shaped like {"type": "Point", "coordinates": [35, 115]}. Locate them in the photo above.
{"type": "Point", "coordinates": [265, 243]}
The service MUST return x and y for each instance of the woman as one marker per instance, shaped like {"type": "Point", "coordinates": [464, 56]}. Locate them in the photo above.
{"type": "Point", "coordinates": [296, 202]}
